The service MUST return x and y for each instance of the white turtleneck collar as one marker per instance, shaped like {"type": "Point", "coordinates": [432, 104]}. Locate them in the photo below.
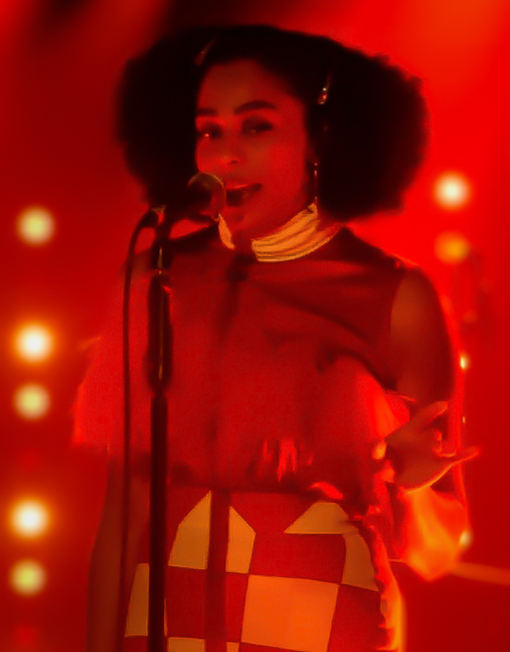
{"type": "Point", "coordinates": [302, 234]}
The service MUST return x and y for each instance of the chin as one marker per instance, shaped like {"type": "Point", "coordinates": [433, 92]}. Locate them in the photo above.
{"type": "Point", "coordinates": [252, 223]}
{"type": "Point", "coordinates": [233, 218]}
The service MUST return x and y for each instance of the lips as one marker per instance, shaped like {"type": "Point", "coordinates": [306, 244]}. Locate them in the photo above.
{"type": "Point", "coordinates": [237, 195]}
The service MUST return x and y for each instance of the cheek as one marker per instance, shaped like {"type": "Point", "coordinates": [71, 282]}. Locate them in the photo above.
{"type": "Point", "coordinates": [286, 164]}
{"type": "Point", "coordinates": [202, 158]}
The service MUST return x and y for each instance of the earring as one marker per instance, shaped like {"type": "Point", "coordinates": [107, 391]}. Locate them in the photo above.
{"type": "Point", "coordinates": [323, 97]}
{"type": "Point", "coordinates": [315, 181]}
{"type": "Point", "coordinates": [201, 56]}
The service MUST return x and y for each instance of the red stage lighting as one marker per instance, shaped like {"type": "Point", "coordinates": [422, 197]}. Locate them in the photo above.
{"type": "Point", "coordinates": [452, 247]}
{"type": "Point", "coordinates": [29, 518]}
{"type": "Point", "coordinates": [34, 343]}
{"type": "Point", "coordinates": [32, 401]}
{"type": "Point", "coordinates": [465, 361]}
{"type": "Point", "coordinates": [36, 226]}
{"type": "Point", "coordinates": [27, 577]}
{"type": "Point", "coordinates": [452, 190]}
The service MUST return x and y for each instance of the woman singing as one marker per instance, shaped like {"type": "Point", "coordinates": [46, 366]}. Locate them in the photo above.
{"type": "Point", "coordinates": [313, 403]}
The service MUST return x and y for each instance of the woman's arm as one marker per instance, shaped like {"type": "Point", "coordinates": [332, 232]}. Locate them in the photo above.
{"type": "Point", "coordinates": [103, 589]}
{"type": "Point", "coordinates": [429, 491]}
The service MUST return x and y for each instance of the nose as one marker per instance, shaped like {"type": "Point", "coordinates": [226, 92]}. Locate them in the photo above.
{"type": "Point", "coordinates": [220, 155]}
{"type": "Point", "coordinates": [230, 152]}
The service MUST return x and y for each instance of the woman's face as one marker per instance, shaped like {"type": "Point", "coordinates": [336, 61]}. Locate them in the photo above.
{"type": "Point", "coordinates": [251, 134]}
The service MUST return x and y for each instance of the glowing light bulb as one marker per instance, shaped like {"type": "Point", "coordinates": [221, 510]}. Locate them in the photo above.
{"type": "Point", "coordinates": [29, 518]}
{"type": "Point", "coordinates": [36, 226]}
{"type": "Point", "coordinates": [34, 343]}
{"type": "Point", "coordinates": [32, 401]}
{"type": "Point", "coordinates": [465, 361]}
{"type": "Point", "coordinates": [452, 190]}
{"type": "Point", "coordinates": [452, 247]}
{"type": "Point", "coordinates": [27, 577]}
{"type": "Point", "coordinates": [466, 539]}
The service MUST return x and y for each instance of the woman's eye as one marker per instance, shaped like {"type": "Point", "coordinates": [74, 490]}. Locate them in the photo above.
{"type": "Point", "coordinates": [208, 132]}
{"type": "Point", "coordinates": [257, 127]}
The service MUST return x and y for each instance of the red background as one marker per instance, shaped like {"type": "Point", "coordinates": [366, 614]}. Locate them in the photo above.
{"type": "Point", "coordinates": [59, 62]}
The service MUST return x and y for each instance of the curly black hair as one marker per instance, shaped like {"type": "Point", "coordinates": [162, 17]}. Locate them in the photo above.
{"type": "Point", "coordinates": [370, 133]}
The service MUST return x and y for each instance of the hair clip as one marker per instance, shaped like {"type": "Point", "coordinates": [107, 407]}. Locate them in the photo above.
{"type": "Point", "coordinates": [323, 97]}
{"type": "Point", "coordinates": [200, 58]}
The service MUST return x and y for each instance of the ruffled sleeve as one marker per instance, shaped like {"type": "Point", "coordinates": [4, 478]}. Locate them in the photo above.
{"type": "Point", "coordinates": [99, 408]}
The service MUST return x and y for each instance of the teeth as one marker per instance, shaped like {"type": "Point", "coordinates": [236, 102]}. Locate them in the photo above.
{"type": "Point", "coordinates": [237, 195]}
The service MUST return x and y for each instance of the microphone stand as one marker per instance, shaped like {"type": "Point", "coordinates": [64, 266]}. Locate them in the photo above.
{"type": "Point", "coordinates": [209, 193]}
{"type": "Point", "coordinates": [159, 355]}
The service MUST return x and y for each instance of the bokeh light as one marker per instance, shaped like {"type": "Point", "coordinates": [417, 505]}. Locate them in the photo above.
{"type": "Point", "coordinates": [466, 539]}
{"type": "Point", "coordinates": [29, 518]}
{"type": "Point", "coordinates": [452, 247]}
{"type": "Point", "coordinates": [32, 401]}
{"type": "Point", "coordinates": [27, 577]}
{"type": "Point", "coordinates": [34, 343]}
{"type": "Point", "coordinates": [36, 226]}
{"type": "Point", "coordinates": [465, 361]}
{"type": "Point", "coordinates": [452, 190]}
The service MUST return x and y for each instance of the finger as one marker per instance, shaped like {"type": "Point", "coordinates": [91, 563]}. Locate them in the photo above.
{"type": "Point", "coordinates": [386, 472]}
{"type": "Point", "coordinates": [472, 452]}
{"type": "Point", "coordinates": [408, 433]}
{"type": "Point", "coordinates": [428, 414]}
{"type": "Point", "coordinates": [409, 436]}
{"type": "Point", "coordinates": [379, 450]}
{"type": "Point", "coordinates": [408, 401]}
{"type": "Point", "coordinates": [430, 437]}
{"type": "Point", "coordinates": [436, 442]}
{"type": "Point", "coordinates": [326, 490]}
{"type": "Point", "coordinates": [456, 457]}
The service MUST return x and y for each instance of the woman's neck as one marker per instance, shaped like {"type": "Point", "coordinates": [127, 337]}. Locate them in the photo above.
{"type": "Point", "coordinates": [302, 234]}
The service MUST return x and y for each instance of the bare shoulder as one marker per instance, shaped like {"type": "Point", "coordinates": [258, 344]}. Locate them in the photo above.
{"type": "Point", "coordinates": [421, 344]}
{"type": "Point", "coordinates": [417, 309]}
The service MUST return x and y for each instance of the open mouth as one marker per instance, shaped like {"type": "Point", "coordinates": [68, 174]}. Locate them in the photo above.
{"type": "Point", "coordinates": [237, 196]}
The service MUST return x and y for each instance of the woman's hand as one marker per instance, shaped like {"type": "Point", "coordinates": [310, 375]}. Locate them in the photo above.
{"type": "Point", "coordinates": [417, 453]}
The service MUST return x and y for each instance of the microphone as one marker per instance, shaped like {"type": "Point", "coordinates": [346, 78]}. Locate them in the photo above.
{"type": "Point", "coordinates": [203, 199]}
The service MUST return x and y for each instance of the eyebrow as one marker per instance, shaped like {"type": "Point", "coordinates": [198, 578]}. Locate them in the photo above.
{"type": "Point", "coordinates": [253, 105]}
